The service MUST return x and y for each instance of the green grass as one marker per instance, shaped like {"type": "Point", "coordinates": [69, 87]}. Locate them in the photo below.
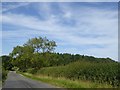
{"type": "Point", "coordinates": [66, 83]}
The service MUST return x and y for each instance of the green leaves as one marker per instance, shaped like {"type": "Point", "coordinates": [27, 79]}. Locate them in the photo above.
{"type": "Point", "coordinates": [41, 44]}
{"type": "Point", "coordinates": [33, 54]}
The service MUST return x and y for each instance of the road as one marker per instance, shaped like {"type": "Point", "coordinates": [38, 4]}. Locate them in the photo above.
{"type": "Point", "coordinates": [15, 80]}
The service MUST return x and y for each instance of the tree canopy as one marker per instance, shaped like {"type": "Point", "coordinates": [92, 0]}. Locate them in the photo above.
{"type": "Point", "coordinates": [41, 44]}
{"type": "Point", "coordinates": [30, 55]}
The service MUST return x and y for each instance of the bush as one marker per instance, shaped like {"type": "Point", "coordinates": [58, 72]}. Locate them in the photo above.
{"type": "Point", "coordinates": [32, 70]}
{"type": "Point", "coordinates": [4, 74]}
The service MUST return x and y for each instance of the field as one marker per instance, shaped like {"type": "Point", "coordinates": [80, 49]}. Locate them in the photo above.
{"type": "Point", "coordinates": [99, 73]}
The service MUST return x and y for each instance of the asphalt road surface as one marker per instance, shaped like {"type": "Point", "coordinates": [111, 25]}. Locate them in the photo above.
{"type": "Point", "coordinates": [15, 80]}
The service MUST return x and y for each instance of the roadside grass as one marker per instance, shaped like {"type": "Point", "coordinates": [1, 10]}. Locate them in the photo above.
{"type": "Point", "coordinates": [66, 83]}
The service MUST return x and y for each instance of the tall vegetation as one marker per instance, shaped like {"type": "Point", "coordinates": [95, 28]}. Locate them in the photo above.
{"type": "Point", "coordinates": [106, 73]}
{"type": "Point", "coordinates": [6, 65]}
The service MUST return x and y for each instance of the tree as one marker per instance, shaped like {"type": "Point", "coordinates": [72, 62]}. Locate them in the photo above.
{"type": "Point", "coordinates": [33, 54]}
{"type": "Point", "coordinates": [21, 56]}
{"type": "Point", "coordinates": [17, 51]}
{"type": "Point", "coordinates": [6, 62]}
{"type": "Point", "coordinates": [41, 44]}
{"type": "Point", "coordinates": [51, 46]}
{"type": "Point", "coordinates": [35, 43]}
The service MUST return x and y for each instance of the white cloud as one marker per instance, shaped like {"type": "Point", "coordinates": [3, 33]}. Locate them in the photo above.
{"type": "Point", "coordinates": [93, 22]}
{"type": "Point", "coordinates": [13, 6]}
{"type": "Point", "coordinates": [67, 15]}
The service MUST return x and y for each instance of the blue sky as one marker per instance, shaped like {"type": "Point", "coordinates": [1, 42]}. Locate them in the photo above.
{"type": "Point", "coordinates": [78, 28]}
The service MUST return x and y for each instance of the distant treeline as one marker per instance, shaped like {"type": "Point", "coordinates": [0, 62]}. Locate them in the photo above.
{"type": "Point", "coordinates": [37, 56]}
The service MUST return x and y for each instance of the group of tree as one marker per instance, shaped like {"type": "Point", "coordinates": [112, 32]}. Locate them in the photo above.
{"type": "Point", "coordinates": [33, 53]}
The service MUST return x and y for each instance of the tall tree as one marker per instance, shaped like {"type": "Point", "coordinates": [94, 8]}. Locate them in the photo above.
{"type": "Point", "coordinates": [35, 43]}
{"type": "Point", "coordinates": [33, 54]}
{"type": "Point", "coordinates": [41, 44]}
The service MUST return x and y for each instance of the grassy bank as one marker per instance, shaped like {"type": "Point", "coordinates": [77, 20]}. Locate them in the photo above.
{"type": "Point", "coordinates": [66, 83]}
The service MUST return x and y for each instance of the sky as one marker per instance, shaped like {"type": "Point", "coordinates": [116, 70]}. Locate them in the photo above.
{"type": "Point", "coordinates": [60, 0]}
{"type": "Point", "coordinates": [86, 28]}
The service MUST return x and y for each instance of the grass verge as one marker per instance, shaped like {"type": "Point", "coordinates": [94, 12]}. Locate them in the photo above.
{"type": "Point", "coordinates": [66, 83]}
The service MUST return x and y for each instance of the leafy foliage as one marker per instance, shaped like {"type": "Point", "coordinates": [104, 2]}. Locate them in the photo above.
{"type": "Point", "coordinates": [4, 74]}
{"type": "Point", "coordinates": [6, 65]}
{"type": "Point", "coordinates": [6, 62]}
{"type": "Point", "coordinates": [32, 54]}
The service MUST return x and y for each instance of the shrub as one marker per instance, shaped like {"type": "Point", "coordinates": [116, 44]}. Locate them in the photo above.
{"type": "Point", "coordinates": [31, 70]}
{"type": "Point", "coordinates": [4, 74]}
